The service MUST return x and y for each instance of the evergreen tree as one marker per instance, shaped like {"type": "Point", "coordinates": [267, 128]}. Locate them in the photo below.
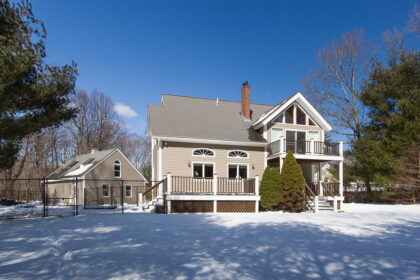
{"type": "Point", "coordinates": [292, 185]}
{"type": "Point", "coordinates": [270, 191]}
{"type": "Point", "coordinates": [33, 95]}
{"type": "Point", "coordinates": [392, 95]}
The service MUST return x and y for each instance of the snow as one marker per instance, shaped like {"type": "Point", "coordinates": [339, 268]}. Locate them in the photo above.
{"type": "Point", "coordinates": [82, 168]}
{"type": "Point", "coordinates": [364, 242]}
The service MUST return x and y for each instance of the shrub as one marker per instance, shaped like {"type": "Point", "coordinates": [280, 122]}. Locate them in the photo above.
{"type": "Point", "coordinates": [270, 190]}
{"type": "Point", "coordinates": [292, 185]}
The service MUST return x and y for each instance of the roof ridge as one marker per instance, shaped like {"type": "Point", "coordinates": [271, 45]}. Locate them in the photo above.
{"type": "Point", "coordinates": [177, 95]}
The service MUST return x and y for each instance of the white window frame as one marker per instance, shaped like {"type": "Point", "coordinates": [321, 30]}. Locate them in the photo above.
{"type": "Point", "coordinates": [109, 190]}
{"type": "Point", "coordinates": [119, 164]}
{"type": "Point", "coordinates": [202, 163]}
{"type": "Point", "coordinates": [237, 170]}
{"type": "Point", "coordinates": [131, 190]}
{"type": "Point", "coordinates": [192, 152]}
{"type": "Point", "coordinates": [247, 154]}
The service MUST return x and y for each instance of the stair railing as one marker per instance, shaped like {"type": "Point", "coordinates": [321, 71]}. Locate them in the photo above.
{"type": "Point", "coordinates": [327, 190]}
{"type": "Point", "coordinates": [313, 198]}
{"type": "Point", "coordinates": [153, 192]}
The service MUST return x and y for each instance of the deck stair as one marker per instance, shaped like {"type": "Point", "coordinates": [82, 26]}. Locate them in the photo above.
{"type": "Point", "coordinates": [323, 204]}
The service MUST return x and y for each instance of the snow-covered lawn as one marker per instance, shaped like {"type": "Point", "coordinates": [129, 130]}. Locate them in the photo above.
{"type": "Point", "coordinates": [365, 242]}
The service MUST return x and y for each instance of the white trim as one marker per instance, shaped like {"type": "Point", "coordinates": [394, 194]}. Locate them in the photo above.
{"type": "Point", "coordinates": [118, 164]}
{"type": "Point", "coordinates": [239, 150]}
{"type": "Point", "coordinates": [153, 159]}
{"type": "Point", "coordinates": [131, 190]}
{"type": "Point", "coordinates": [205, 156]}
{"type": "Point", "coordinates": [160, 159]}
{"type": "Point", "coordinates": [308, 108]}
{"type": "Point", "coordinates": [237, 170]}
{"type": "Point", "coordinates": [265, 135]}
{"type": "Point", "coordinates": [310, 156]}
{"type": "Point", "coordinates": [202, 162]}
{"type": "Point", "coordinates": [212, 197]}
{"type": "Point", "coordinates": [209, 141]}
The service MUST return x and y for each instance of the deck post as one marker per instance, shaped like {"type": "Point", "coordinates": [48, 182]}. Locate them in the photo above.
{"type": "Point", "coordinates": [257, 193]}
{"type": "Point", "coordinates": [316, 202]}
{"type": "Point", "coordinates": [215, 184]}
{"type": "Point", "coordinates": [335, 203]}
{"type": "Point", "coordinates": [168, 184]}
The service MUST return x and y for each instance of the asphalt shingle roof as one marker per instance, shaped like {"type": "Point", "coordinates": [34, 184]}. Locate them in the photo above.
{"type": "Point", "coordinates": [76, 162]}
{"type": "Point", "coordinates": [201, 118]}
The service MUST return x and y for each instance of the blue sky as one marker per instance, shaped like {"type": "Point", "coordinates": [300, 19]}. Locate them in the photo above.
{"type": "Point", "coordinates": [134, 51]}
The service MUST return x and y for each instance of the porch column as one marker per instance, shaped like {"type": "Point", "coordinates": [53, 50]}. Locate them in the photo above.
{"type": "Point", "coordinates": [215, 193]}
{"type": "Point", "coordinates": [321, 189]}
{"type": "Point", "coordinates": [168, 183]}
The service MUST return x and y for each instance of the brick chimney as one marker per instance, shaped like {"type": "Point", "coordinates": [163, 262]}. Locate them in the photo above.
{"type": "Point", "coordinates": [246, 109]}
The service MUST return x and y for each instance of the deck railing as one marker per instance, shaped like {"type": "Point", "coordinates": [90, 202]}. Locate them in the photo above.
{"type": "Point", "coordinates": [193, 185]}
{"type": "Point", "coordinates": [303, 147]}
{"type": "Point", "coordinates": [331, 188]}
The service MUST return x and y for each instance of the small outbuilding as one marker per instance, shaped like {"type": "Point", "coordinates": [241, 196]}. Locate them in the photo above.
{"type": "Point", "coordinates": [99, 178]}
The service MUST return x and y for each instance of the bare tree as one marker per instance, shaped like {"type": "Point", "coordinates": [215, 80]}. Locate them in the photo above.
{"type": "Point", "coordinates": [137, 149]}
{"type": "Point", "coordinates": [334, 86]}
{"type": "Point", "coordinates": [414, 22]}
{"type": "Point", "coordinates": [97, 125]}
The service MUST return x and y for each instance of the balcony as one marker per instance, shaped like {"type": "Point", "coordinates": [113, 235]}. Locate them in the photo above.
{"type": "Point", "coordinates": [303, 147]}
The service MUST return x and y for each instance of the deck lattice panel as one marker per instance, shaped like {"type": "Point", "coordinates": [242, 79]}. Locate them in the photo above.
{"type": "Point", "coordinates": [235, 206]}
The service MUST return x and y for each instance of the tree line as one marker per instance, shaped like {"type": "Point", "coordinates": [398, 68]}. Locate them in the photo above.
{"type": "Point", "coordinates": [44, 121]}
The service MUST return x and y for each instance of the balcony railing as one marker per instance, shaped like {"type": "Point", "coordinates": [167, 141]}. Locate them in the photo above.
{"type": "Point", "coordinates": [304, 147]}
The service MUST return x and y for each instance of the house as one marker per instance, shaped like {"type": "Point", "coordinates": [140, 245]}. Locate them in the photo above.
{"type": "Point", "coordinates": [98, 178]}
{"type": "Point", "coordinates": [208, 155]}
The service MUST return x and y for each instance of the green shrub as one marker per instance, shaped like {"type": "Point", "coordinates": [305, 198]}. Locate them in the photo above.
{"type": "Point", "coordinates": [292, 185]}
{"type": "Point", "coordinates": [270, 190]}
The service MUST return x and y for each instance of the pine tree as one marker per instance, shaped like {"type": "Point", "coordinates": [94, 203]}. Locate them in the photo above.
{"type": "Point", "coordinates": [292, 185]}
{"type": "Point", "coordinates": [270, 191]}
{"type": "Point", "coordinates": [33, 94]}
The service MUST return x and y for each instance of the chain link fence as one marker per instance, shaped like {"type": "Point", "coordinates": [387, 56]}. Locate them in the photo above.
{"type": "Point", "coordinates": [39, 197]}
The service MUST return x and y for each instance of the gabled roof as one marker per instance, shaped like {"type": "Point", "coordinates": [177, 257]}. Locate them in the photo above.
{"type": "Point", "coordinates": [80, 165]}
{"type": "Point", "coordinates": [202, 118]}
{"type": "Point", "coordinates": [303, 102]}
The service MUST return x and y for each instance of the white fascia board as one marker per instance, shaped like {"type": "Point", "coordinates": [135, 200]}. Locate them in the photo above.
{"type": "Point", "coordinates": [310, 157]}
{"type": "Point", "coordinates": [298, 97]}
{"type": "Point", "coordinates": [210, 141]}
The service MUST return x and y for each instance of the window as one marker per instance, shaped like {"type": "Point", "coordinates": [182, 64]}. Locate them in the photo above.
{"type": "Point", "coordinates": [117, 169]}
{"type": "Point", "coordinates": [289, 115]}
{"type": "Point", "coordinates": [203, 153]}
{"type": "Point", "coordinates": [311, 122]}
{"type": "Point", "coordinates": [105, 190]}
{"type": "Point", "coordinates": [128, 190]}
{"type": "Point", "coordinates": [237, 154]}
{"type": "Point", "coordinates": [203, 170]}
{"type": "Point", "coordinates": [236, 171]}
{"type": "Point", "coordinates": [300, 116]}
{"type": "Point", "coordinates": [279, 119]}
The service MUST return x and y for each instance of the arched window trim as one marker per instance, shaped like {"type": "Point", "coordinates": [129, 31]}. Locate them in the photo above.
{"type": "Point", "coordinates": [117, 163]}
{"type": "Point", "coordinates": [204, 155]}
{"type": "Point", "coordinates": [237, 156]}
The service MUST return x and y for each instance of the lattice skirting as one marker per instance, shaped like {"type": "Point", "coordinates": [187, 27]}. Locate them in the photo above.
{"type": "Point", "coordinates": [183, 206]}
{"type": "Point", "coordinates": [235, 206]}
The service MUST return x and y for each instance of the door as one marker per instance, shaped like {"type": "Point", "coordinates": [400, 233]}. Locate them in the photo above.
{"type": "Point", "coordinates": [314, 138]}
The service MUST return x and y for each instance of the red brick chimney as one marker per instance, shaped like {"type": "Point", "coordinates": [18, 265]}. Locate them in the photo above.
{"type": "Point", "coordinates": [246, 109]}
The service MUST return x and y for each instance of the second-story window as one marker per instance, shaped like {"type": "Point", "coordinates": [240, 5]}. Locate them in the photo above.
{"type": "Point", "coordinates": [289, 115]}
{"type": "Point", "coordinates": [237, 154]}
{"type": "Point", "coordinates": [203, 152]}
{"type": "Point", "coordinates": [117, 169]}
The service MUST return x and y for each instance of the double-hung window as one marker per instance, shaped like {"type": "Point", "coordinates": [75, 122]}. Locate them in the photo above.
{"type": "Point", "coordinates": [203, 170]}
{"type": "Point", "coordinates": [117, 169]}
{"type": "Point", "coordinates": [105, 190]}
{"type": "Point", "coordinates": [128, 191]}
